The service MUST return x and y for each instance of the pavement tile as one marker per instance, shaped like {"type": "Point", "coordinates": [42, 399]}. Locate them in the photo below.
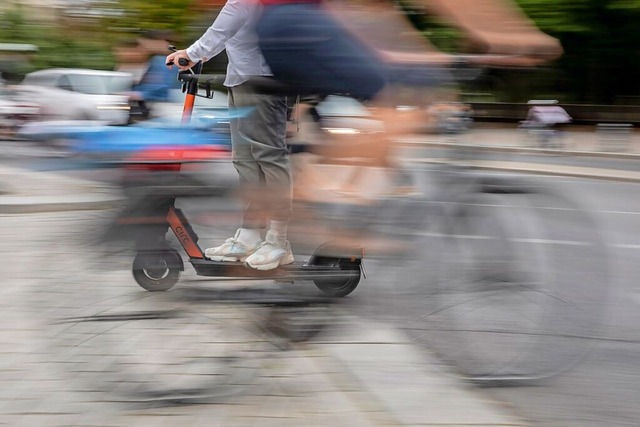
{"type": "Point", "coordinates": [407, 383]}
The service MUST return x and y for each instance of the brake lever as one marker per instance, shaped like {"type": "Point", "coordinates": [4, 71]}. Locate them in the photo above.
{"type": "Point", "coordinates": [182, 61]}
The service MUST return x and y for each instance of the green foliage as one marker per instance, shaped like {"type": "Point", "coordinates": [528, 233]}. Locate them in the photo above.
{"type": "Point", "coordinates": [600, 39]}
{"type": "Point", "coordinates": [560, 16]}
{"type": "Point", "coordinates": [89, 43]}
{"type": "Point", "coordinates": [441, 35]}
{"type": "Point", "coordinates": [56, 47]}
{"type": "Point", "coordinates": [69, 53]}
{"type": "Point", "coordinates": [175, 15]}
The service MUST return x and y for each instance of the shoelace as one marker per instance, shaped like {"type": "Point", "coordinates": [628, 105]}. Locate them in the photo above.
{"type": "Point", "coordinates": [273, 244]}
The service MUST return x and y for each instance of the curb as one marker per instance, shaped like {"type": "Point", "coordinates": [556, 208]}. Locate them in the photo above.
{"type": "Point", "coordinates": [27, 191]}
{"type": "Point", "coordinates": [98, 200]}
{"type": "Point", "coordinates": [41, 204]}
{"type": "Point", "coordinates": [521, 150]}
{"type": "Point", "coordinates": [540, 169]}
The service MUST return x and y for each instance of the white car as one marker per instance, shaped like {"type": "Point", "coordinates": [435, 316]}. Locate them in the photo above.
{"type": "Point", "coordinates": [15, 111]}
{"type": "Point", "coordinates": [80, 94]}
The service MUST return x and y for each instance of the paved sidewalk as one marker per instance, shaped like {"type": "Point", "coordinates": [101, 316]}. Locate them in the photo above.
{"type": "Point", "coordinates": [574, 139]}
{"type": "Point", "coordinates": [363, 373]}
{"type": "Point", "coordinates": [27, 191]}
{"type": "Point", "coordinates": [495, 147]}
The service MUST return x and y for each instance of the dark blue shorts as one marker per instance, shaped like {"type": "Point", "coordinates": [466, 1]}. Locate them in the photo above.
{"type": "Point", "coordinates": [313, 54]}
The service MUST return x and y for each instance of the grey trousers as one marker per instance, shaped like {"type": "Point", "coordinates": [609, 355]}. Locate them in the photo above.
{"type": "Point", "coordinates": [260, 156]}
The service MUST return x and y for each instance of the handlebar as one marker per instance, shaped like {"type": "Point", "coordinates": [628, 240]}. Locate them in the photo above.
{"type": "Point", "coordinates": [182, 62]}
{"type": "Point", "coordinates": [202, 79]}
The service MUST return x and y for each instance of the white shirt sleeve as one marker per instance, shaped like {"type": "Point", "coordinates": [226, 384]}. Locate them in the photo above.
{"type": "Point", "coordinates": [232, 17]}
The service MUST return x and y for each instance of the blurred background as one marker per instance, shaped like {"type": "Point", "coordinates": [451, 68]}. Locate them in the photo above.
{"type": "Point", "coordinates": [546, 91]}
{"type": "Point", "coordinates": [597, 39]}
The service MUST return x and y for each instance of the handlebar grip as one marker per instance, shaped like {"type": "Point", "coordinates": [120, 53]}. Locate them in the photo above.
{"type": "Point", "coordinates": [182, 61]}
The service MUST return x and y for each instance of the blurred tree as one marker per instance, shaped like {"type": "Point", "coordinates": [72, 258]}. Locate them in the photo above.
{"type": "Point", "coordinates": [600, 40]}
{"type": "Point", "coordinates": [138, 15]}
{"type": "Point", "coordinates": [87, 40]}
{"type": "Point", "coordinates": [188, 19]}
{"type": "Point", "coordinates": [57, 47]}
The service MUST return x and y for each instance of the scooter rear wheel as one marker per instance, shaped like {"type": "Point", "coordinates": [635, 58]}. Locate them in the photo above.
{"type": "Point", "coordinates": [338, 287]}
{"type": "Point", "coordinates": [157, 271]}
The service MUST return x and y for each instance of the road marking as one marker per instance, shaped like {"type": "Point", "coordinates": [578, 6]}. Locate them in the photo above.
{"type": "Point", "coordinates": [527, 240]}
{"type": "Point", "coordinates": [551, 242]}
{"type": "Point", "coordinates": [515, 239]}
{"type": "Point", "coordinates": [490, 205]}
{"type": "Point", "coordinates": [625, 246]}
{"type": "Point", "coordinates": [619, 212]}
{"type": "Point", "coordinates": [549, 208]}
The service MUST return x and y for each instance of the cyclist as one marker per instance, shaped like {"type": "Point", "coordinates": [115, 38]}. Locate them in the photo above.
{"type": "Point", "coordinates": [260, 154]}
{"type": "Point", "coordinates": [314, 48]}
{"type": "Point", "coordinates": [307, 47]}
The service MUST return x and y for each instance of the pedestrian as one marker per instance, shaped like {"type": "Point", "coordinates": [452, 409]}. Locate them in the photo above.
{"type": "Point", "coordinates": [130, 58]}
{"type": "Point", "coordinates": [157, 83]}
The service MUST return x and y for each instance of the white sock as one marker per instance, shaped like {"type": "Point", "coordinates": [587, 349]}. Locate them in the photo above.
{"type": "Point", "coordinates": [249, 236]}
{"type": "Point", "coordinates": [279, 230]}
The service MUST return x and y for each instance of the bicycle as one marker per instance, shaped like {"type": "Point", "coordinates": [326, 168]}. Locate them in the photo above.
{"type": "Point", "coordinates": [478, 296]}
{"type": "Point", "coordinates": [501, 306]}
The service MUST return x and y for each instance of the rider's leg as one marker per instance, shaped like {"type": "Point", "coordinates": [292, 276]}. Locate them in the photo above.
{"type": "Point", "coordinates": [362, 152]}
{"type": "Point", "coordinates": [263, 134]}
{"type": "Point", "coordinates": [248, 237]}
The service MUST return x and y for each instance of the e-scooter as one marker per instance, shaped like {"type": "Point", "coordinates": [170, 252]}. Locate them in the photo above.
{"type": "Point", "coordinates": [157, 266]}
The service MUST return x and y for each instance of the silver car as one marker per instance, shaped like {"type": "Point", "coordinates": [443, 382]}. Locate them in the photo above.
{"type": "Point", "coordinates": [15, 111]}
{"type": "Point", "coordinates": [80, 94]}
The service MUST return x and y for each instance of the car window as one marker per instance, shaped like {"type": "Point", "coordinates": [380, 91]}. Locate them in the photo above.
{"type": "Point", "coordinates": [120, 84]}
{"type": "Point", "coordinates": [99, 85]}
{"type": "Point", "coordinates": [64, 83]}
{"type": "Point", "coordinates": [39, 80]}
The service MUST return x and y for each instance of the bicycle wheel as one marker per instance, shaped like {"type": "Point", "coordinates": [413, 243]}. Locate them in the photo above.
{"type": "Point", "coordinates": [522, 285]}
{"type": "Point", "coordinates": [154, 350]}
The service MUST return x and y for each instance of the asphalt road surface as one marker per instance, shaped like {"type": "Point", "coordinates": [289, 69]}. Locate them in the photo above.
{"type": "Point", "coordinates": [601, 390]}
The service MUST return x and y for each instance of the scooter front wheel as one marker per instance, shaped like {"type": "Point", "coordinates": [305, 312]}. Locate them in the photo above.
{"type": "Point", "coordinates": [157, 271]}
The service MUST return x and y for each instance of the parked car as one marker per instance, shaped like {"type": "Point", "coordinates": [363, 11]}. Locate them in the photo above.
{"type": "Point", "coordinates": [80, 94]}
{"type": "Point", "coordinates": [15, 111]}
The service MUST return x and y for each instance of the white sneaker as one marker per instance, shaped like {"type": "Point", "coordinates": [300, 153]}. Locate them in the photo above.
{"type": "Point", "coordinates": [232, 250]}
{"type": "Point", "coordinates": [270, 254]}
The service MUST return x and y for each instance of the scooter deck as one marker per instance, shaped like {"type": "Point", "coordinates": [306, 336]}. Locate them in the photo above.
{"type": "Point", "coordinates": [295, 271]}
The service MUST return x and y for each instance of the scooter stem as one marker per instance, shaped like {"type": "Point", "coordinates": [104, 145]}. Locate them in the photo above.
{"type": "Point", "coordinates": [191, 92]}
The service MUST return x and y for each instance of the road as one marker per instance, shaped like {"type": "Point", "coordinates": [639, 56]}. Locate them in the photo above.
{"type": "Point", "coordinates": [603, 390]}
